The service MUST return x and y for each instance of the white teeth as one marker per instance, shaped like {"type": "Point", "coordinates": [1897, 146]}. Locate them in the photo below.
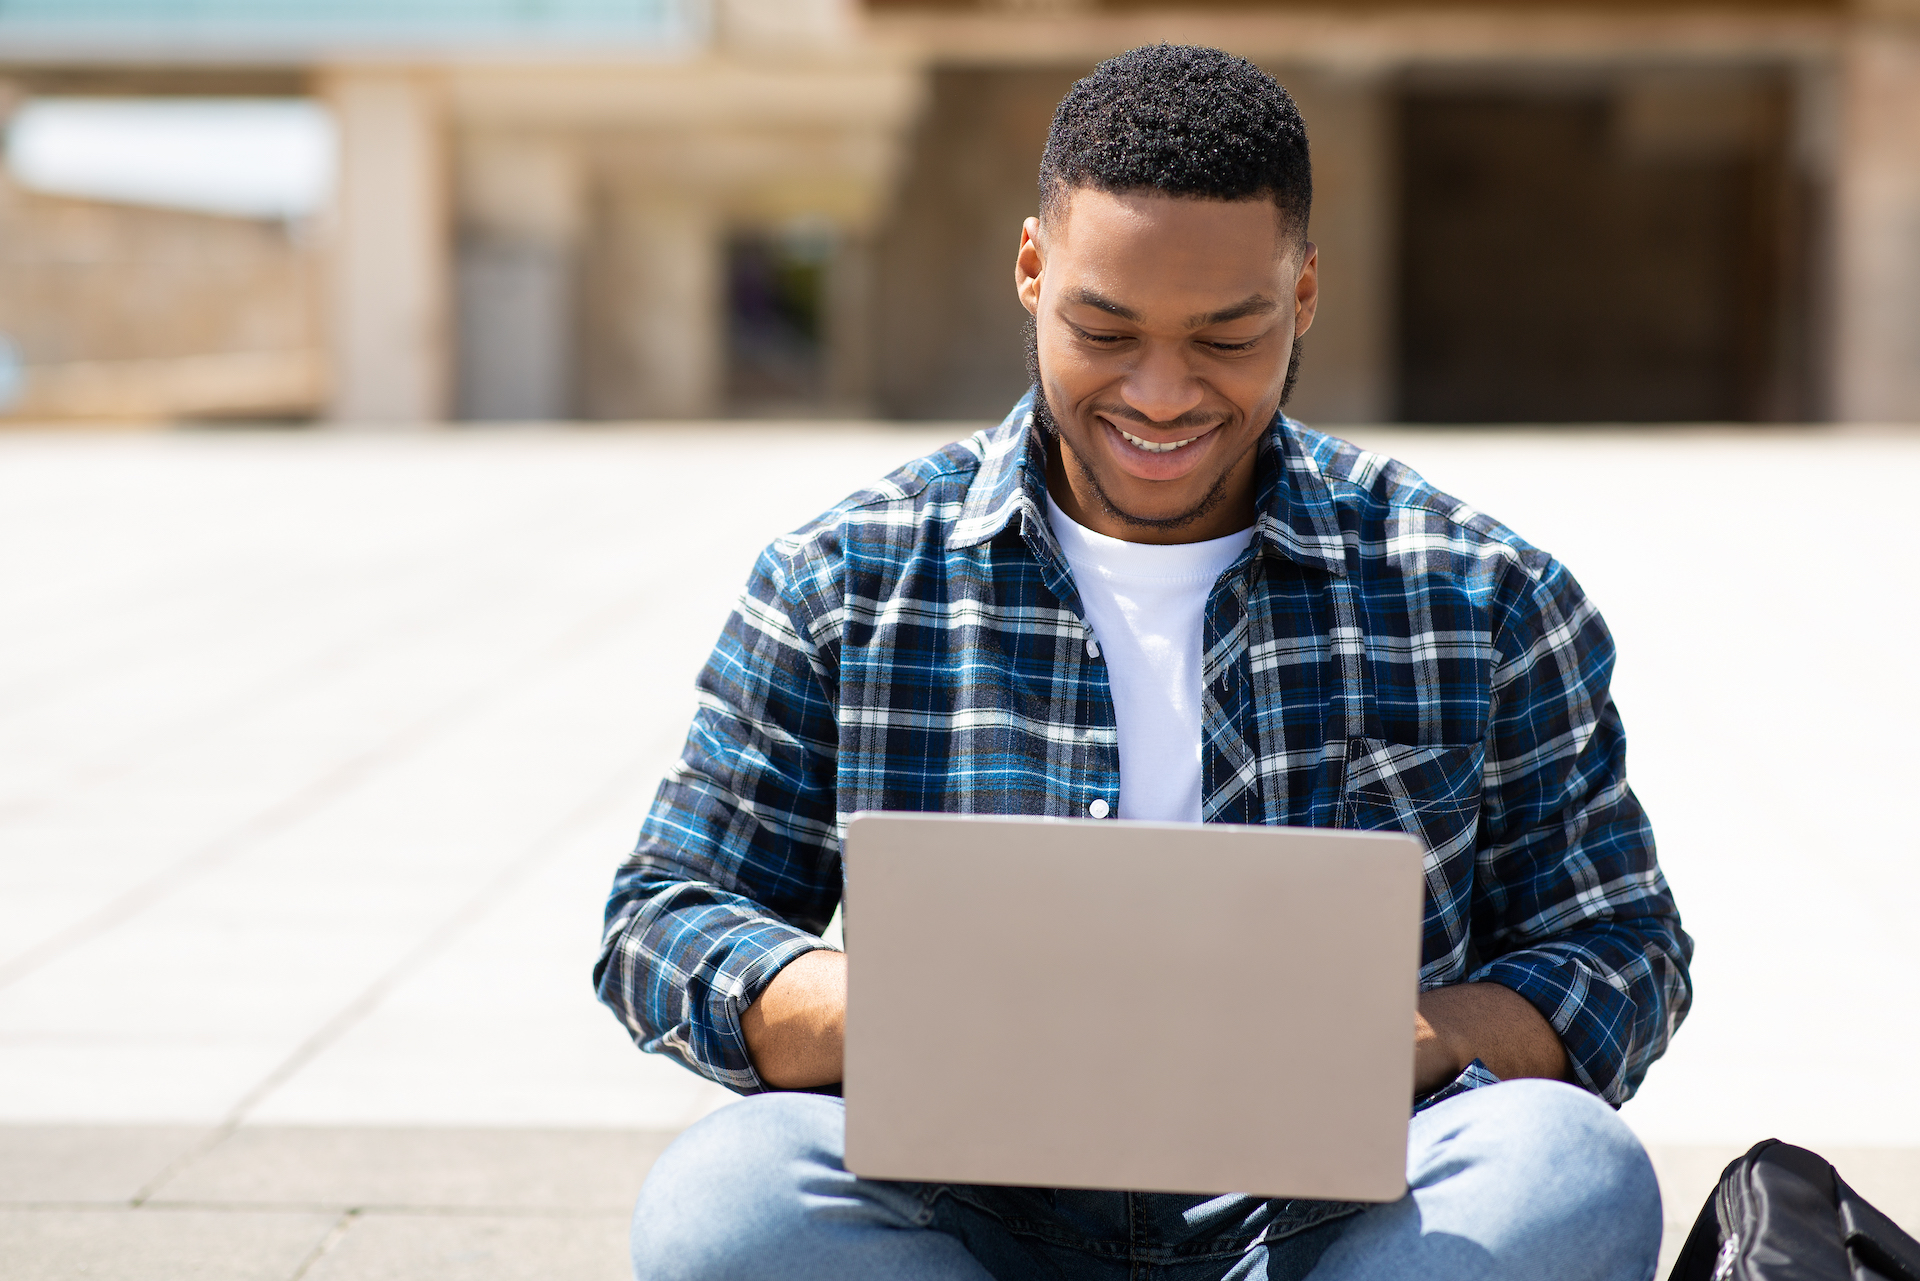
{"type": "Point", "coordinates": [1154, 448]}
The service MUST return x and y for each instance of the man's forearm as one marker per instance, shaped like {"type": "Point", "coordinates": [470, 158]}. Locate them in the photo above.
{"type": "Point", "coordinates": [1456, 1025]}
{"type": "Point", "coordinates": [796, 1028]}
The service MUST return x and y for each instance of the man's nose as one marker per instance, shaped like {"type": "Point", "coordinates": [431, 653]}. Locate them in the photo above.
{"type": "Point", "coordinates": [1161, 386]}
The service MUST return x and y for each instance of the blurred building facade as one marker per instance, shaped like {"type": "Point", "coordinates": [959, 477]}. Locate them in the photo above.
{"type": "Point", "coordinates": [1611, 211]}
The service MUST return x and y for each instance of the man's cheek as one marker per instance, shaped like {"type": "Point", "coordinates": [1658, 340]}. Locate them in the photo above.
{"type": "Point", "coordinates": [1071, 366]}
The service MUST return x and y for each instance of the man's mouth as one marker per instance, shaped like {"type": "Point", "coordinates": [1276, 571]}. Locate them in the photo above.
{"type": "Point", "coordinates": [1154, 446]}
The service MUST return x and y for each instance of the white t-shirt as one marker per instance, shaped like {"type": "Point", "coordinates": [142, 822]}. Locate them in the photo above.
{"type": "Point", "coordinates": [1147, 605]}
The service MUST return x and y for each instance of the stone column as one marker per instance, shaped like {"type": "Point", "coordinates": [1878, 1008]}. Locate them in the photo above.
{"type": "Point", "coordinates": [849, 327]}
{"type": "Point", "coordinates": [1876, 355]}
{"type": "Point", "coordinates": [655, 346]}
{"type": "Point", "coordinates": [520, 218]}
{"type": "Point", "coordinates": [388, 256]}
{"type": "Point", "coordinates": [1348, 372]}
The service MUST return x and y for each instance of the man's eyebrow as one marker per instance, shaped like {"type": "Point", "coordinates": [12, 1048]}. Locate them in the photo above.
{"type": "Point", "coordinates": [1258, 304]}
{"type": "Point", "coordinates": [1088, 298]}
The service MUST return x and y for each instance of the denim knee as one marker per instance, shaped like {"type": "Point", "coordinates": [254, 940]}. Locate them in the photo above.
{"type": "Point", "coordinates": [1558, 1150]}
{"type": "Point", "coordinates": [1554, 1123]}
{"type": "Point", "coordinates": [728, 1190]}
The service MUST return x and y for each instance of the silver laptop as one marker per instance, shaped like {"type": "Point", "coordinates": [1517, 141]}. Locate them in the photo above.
{"type": "Point", "coordinates": [1150, 1006]}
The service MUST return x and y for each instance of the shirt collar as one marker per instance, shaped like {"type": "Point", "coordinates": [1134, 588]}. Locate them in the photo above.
{"type": "Point", "coordinates": [1296, 520]}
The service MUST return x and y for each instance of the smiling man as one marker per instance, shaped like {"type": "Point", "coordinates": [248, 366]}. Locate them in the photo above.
{"type": "Point", "coordinates": [1149, 594]}
{"type": "Point", "coordinates": [1171, 333]}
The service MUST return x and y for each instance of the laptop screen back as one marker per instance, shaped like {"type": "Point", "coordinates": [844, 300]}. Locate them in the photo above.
{"type": "Point", "coordinates": [1156, 1007]}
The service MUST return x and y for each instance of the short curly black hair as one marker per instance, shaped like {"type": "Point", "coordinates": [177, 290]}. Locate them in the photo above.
{"type": "Point", "coordinates": [1184, 120]}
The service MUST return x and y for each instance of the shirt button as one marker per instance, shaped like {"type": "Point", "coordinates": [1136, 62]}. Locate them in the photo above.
{"type": "Point", "coordinates": [1097, 807]}
{"type": "Point", "coordinates": [1093, 648]}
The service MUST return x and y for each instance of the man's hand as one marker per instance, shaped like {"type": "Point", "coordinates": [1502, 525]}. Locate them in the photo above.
{"type": "Point", "coordinates": [796, 1028]}
{"type": "Point", "coordinates": [1456, 1025]}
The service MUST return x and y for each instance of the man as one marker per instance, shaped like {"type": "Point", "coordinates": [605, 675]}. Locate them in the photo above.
{"type": "Point", "coordinates": [1149, 594]}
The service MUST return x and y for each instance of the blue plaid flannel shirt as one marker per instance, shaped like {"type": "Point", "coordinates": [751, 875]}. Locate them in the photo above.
{"type": "Point", "coordinates": [1382, 656]}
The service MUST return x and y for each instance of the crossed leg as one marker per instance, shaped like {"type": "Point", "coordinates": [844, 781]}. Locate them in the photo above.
{"type": "Point", "coordinates": [1523, 1180]}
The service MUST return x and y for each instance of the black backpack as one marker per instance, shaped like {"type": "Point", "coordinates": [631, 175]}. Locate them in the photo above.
{"type": "Point", "coordinates": [1783, 1214]}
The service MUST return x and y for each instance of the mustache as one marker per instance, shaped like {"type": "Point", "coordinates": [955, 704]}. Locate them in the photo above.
{"type": "Point", "coordinates": [1195, 420]}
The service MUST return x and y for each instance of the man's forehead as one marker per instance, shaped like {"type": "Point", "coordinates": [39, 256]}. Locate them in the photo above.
{"type": "Point", "coordinates": [1181, 255]}
{"type": "Point", "coordinates": [1255, 214]}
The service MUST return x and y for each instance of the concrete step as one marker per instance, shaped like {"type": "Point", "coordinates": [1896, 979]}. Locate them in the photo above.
{"type": "Point", "coordinates": [310, 1203]}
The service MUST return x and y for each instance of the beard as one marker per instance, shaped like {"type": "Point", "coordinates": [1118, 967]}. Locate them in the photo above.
{"type": "Point", "coordinates": [1050, 433]}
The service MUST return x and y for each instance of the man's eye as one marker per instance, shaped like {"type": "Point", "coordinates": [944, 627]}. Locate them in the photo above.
{"type": "Point", "coordinates": [1109, 339]}
{"type": "Point", "coordinates": [1233, 346]}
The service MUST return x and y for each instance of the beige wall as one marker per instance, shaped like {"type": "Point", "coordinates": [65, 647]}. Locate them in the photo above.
{"type": "Point", "coordinates": [123, 312]}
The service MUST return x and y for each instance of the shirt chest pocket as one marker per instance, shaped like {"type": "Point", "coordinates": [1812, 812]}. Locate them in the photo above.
{"type": "Point", "coordinates": [1429, 792]}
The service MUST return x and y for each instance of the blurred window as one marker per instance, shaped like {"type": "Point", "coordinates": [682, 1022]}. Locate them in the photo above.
{"type": "Point", "coordinates": [135, 28]}
{"type": "Point", "coordinates": [11, 375]}
{"type": "Point", "coordinates": [776, 319]}
{"type": "Point", "coordinates": [253, 157]}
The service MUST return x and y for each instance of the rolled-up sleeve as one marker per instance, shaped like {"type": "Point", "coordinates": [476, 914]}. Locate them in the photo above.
{"type": "Point", "coordinates": [1570, 908]}
{"type": "Point", "coordinates": [737, 869]}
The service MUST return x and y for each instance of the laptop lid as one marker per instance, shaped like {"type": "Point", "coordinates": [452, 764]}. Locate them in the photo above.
{"type": "Point", "coordinates": [1146, 1006]}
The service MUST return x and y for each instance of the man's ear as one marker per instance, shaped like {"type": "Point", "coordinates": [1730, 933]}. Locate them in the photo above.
{"type": "Point", "coordinates": [1306, 290]}
{"type": "Point", "coordinates": [1027, 266]}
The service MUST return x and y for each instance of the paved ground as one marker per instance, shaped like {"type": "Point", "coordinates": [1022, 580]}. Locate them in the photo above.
{"type": "Point", "coordinates": [316, 753]}
{"type": "Point", "coordinates": [354, 1203]}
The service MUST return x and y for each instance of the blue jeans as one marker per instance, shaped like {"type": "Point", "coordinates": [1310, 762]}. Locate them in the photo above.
{"type": "Point", "coordinates": [1526, 1180]}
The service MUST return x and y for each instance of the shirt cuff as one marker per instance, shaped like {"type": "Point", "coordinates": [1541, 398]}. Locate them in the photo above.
{"type": "Point", "coordinates": [1476, 1075]}
{"type": "Point", "coordinates": [777, 946]}
{"type": "Point", "coordinates": [1564, 993]}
